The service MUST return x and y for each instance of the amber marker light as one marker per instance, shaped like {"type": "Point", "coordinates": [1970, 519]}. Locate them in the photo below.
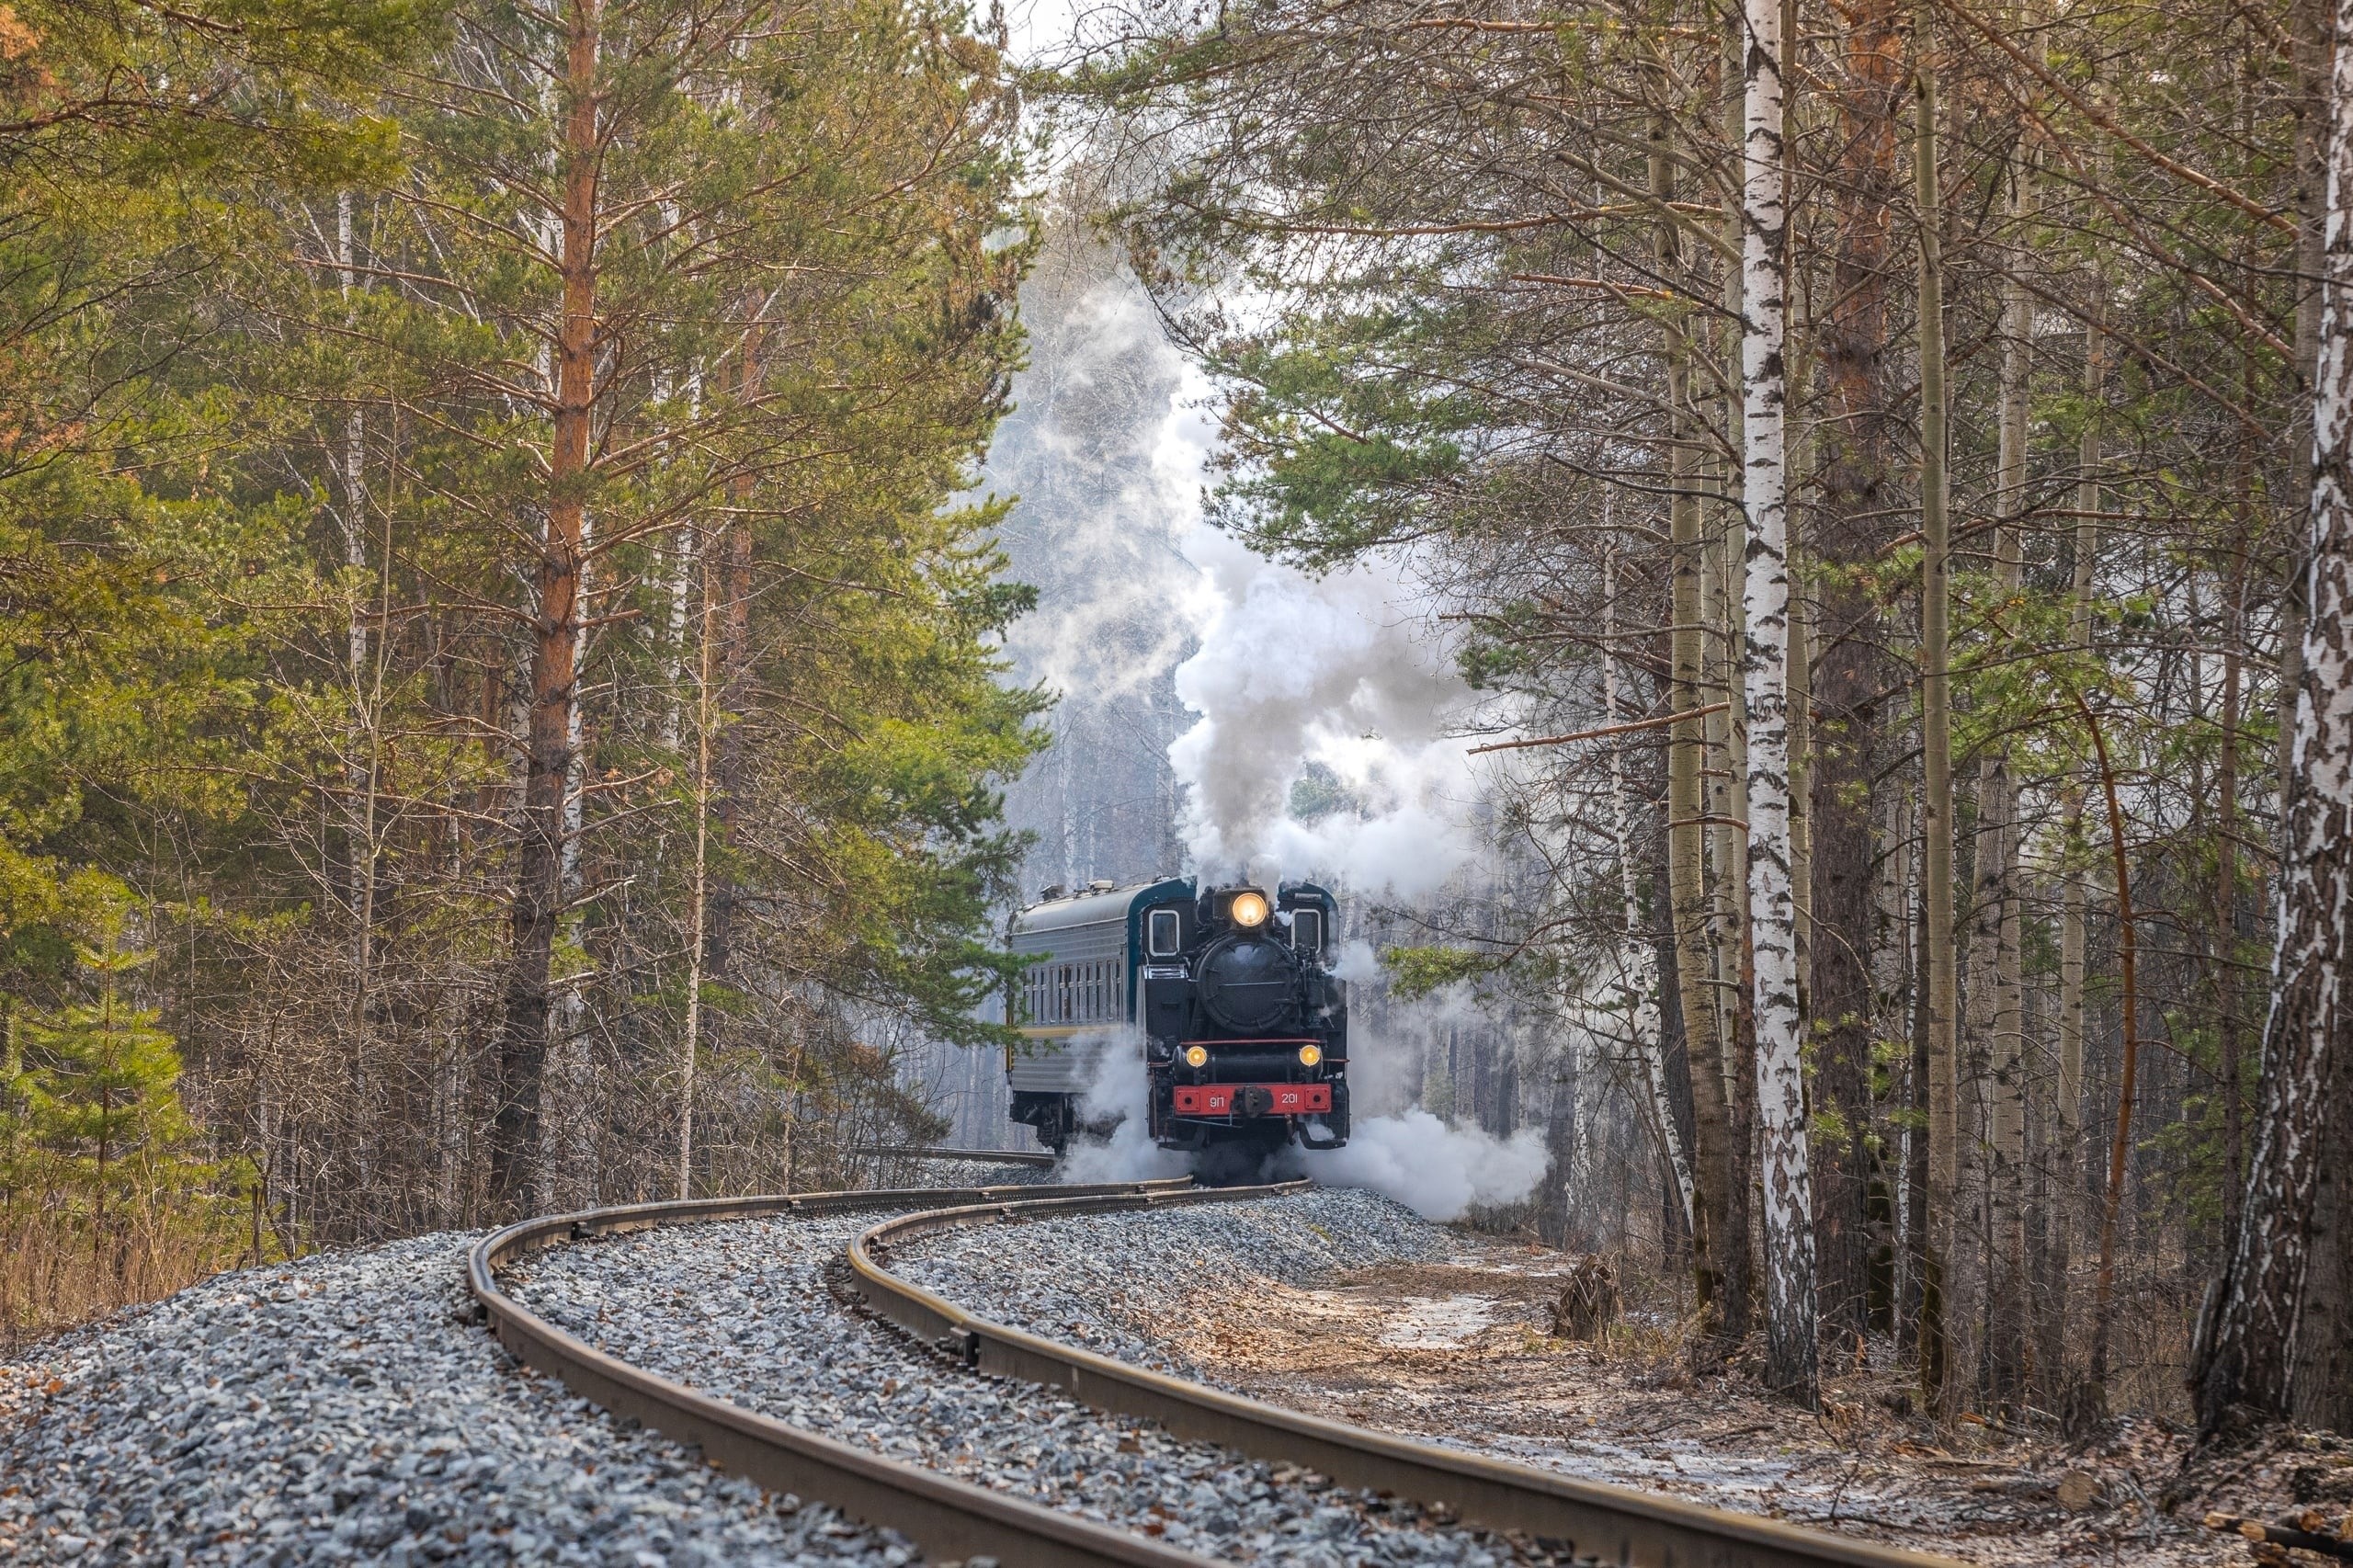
{"type": "Point", "coordinates": [1197, 1056]}
{"type": "Point", "coordinates": [1248, 909]}
{"type": "Point", "coordinates": [1309, 1055]}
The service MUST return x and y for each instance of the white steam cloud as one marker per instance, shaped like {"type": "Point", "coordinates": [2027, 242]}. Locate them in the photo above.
{"type": "Point", "coordinates": [1398, 1147]}
{"type": "Point", "coordinates": [1118, 1089]}
{"type": "Point", "coordinates": [1107, 458]}
{"type": "Point", "coordinates": [1293, 671]}
{"type": "Point", "coordinates": [1438, 1170]}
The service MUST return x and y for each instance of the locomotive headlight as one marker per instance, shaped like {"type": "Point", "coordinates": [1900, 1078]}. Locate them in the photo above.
{"type": "Point", "coordinates": [1248, 910]}
{"type": "Point", "coordinates": [1197, 1056]}
{"type": "Point", "coordinates": [1309, 1055]}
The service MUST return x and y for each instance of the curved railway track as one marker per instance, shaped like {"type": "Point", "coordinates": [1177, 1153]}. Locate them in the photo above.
{"type": "Point", "coordinates": [953, 1519]}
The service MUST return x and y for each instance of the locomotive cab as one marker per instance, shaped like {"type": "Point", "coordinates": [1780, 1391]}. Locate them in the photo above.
{"type": "Point", "coordinates": [1227, 992]}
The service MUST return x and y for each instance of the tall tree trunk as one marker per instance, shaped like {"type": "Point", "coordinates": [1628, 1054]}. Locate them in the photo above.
{"type": "Point", "coordinates": [1729, 807]}
{"type": "Point", "coordinates": [1801, 638]}
{"type": "Point", "coordinates": [1851, 671]}
{"type": "Point", "coordinates": [735, 665]}
{"type": "Point", "coordinates": [1638, 963]}
{"type": "Point", "coordinates": [1720, 1257]}
{"type": "Point", "coordinates": [2222, 940]}
{"type": "Point", "coordinates": [1896, 896]}
{"type": "Point", "coordinates": [1792, 1351]}
{"type": "Point", "coordinates": [1995, 1002]}
{"type": "Point", "coordinates": [2066, 1157]}
{"type": "Point", "coordinates": [1726, 795]}
{"type": "Point", "coordinates": [698, 890]}
{"type": "Point", "coordinates": [2325, 1388]}
{"type": "Point", "coordinates": [2247, 1353]}
{"type": "Point", "coordinates": [362, 767]}
{"type": "Point", "coordinates": [1935, 738]}
{"type": "Point", "coordinates": [2093, 1401]}
{"type": "Point", "coordinates": [538, 877]}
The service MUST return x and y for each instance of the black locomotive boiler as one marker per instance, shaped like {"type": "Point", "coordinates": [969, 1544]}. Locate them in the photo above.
{"type": "Point", "coordinates": [1226, 993]}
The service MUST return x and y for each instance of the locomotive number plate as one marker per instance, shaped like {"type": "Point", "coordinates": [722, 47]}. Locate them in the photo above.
{"type": "Point", "coordinates": [1289, 1099]}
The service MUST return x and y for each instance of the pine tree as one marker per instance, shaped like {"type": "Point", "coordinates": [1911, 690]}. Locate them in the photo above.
{"type": "Point", "coordinates": [101, 1179]}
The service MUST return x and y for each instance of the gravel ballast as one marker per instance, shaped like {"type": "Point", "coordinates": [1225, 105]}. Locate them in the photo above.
{"type": "Point", "coordinates": [1103, 1280]}
{"type": "Point", "coordinates": [345, 1408]}
{"type": "Point", "coordinates": [742, 1311]}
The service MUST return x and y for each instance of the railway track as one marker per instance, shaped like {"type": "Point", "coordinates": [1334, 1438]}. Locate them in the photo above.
{"type": "Point", "coordinates": [952, 1520]}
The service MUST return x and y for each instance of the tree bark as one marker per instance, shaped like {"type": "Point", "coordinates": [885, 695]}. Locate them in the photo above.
{"type": "Point", "coordinates": [1639, 963]}
{"type": "Point", "coordinates": [538, 898]}
{"type": "Point", "coordinates": [735, 668]}
{"type": "Point", "coordinates": [699, 896]}
{"type": "Point", "coordinates": [1936, 739]}
{"type": "Point", "coordinates": [2325, 1391]}
{"type": "Point", "coordinates": [1851, 671]}
{"type": "Point", "coordinates": [1790, 1350]}
{"type": "Point", "coordinates": [2092, 1401]}
{"type": "Point", "coordinates": [2066, 1155]}
{"type": "Point", "coordinates": [1995, 1002]}
{"type": "Point", "coordinates": [2248, 1349]}
{"type": "Point", "coordinates": [1720, 1257]}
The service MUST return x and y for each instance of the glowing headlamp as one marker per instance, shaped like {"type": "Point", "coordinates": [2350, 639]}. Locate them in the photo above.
{"type": "Point", "coordinates": [1309, 1055]}
{"type": "Point", "coordinates": [1197, 1056]}
{"type": "Point", "coordinates": [1248, 909]}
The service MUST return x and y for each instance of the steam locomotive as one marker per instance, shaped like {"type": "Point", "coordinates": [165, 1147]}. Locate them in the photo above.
{"type": "Point", "coordinates": [1227, 994]}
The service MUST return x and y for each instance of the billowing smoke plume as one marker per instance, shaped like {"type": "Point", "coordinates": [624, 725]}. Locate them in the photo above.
{"type": "Point", "coordinates": [1295, 674]}
{"type": "Point", "coordinates": [1305, 731]}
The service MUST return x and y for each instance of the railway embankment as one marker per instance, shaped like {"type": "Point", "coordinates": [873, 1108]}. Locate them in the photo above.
{"type": "Point", "coordinates": [348, 1408]}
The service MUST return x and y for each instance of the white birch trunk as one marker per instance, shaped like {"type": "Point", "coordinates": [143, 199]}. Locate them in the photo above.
{"type": "Point", "coordinates": [355, 446]}
{"type": "Point", "coordinates": [2066, 1155]}
{"type": "Point", "coordinates": [681, 551]}
{"type": "Point", "coordinates": [698, 907]}
{"type": "Point", "coordinates": [2248, 1354]}
{"type": "Point", "coordinates": [1790, 1353]}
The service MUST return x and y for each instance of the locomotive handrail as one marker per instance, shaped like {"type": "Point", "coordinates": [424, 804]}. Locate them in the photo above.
{"type": "Point", "coordinates": [1612, 1524]}
{"type": "Point", "coordinates": [949, 1519]}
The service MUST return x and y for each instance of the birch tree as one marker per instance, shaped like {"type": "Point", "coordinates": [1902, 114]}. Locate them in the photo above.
{"type": "Point", "coordinates": [2247, 1354]}
{"type": "Point", "coordinates": [1783, 1156]}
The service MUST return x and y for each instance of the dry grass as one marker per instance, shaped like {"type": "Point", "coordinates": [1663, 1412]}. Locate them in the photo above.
{"type": "Point", "coordinates": [58, 1270]}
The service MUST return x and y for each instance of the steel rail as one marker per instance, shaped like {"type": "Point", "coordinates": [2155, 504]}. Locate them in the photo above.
{"type": "Point", "coordinates": [948, 1519]}
{"type": "Point", "coordinates": [1036, 1159]}
{"type": "Point", "coordinates": [1612, 1524]}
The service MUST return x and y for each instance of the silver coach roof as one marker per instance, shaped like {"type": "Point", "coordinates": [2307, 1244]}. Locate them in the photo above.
{"type": "Point", "coordinates": [1088, 908]}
